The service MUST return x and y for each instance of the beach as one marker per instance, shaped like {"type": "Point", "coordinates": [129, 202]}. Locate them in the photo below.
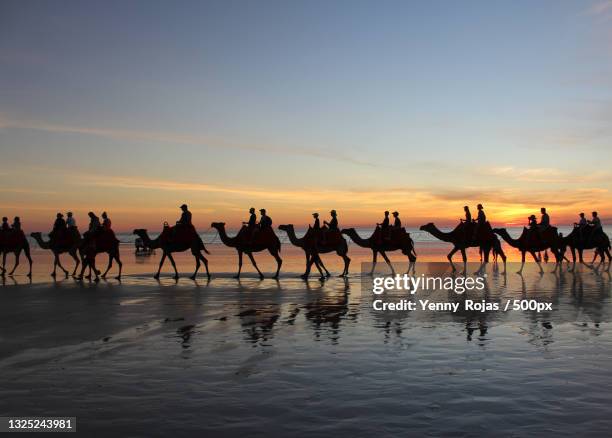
{"type": "Point", "coordinates": [275, 358]}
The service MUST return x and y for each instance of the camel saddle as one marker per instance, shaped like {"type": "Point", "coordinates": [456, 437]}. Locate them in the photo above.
{"type": "Point", "coordinates": [180, 233]}
{"type": "Point", "coordinates": [255, 235]}
{"type": "Point", "coordinates": [63, 237]}
{"type": "Point", "coordinates": [535, 237]}
{"type": "Point", "coordinates": [11, 238]}
{"type": "Point", "coordinates": [329, 238]}
{"type": "Point", "coordinates": [390, 235]}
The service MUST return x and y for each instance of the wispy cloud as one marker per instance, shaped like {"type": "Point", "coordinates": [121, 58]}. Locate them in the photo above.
{"type": "Point", "coordinates": [175, 138]}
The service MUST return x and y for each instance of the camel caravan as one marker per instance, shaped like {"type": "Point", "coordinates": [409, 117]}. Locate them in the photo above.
{"type": "Point", "coordinates": [255, 236]}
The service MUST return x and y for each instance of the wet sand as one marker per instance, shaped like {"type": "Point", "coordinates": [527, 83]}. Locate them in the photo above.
{"type": "Point", "coordinates": [287, 357]}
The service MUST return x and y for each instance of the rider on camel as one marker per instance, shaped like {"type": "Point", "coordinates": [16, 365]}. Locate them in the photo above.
{"type": "Point", "coordinates": [252, 219]}
{"type": "Point", "coordinates": [481, 220]}
{"type": "Point", "coordinates": [16, 224]}
{"type": "Point", "coordinates": [596, 225]}
{"type": "Point", "coordinates": [106, 222]}
{"type": "Point", "coordinates": [59, 227]}
{"type": "Point", "coordinates": [317, 224]}
{"type": "Point", "coordinates": [5, 224]}
{"type": "Point", "coordinates": [70, 221]}
{"type": "Point", "coordinates": [265, 222]}
{"type": "Point", "coordinates": [581, 225]}
{"type": "Point", "coordinates": [384, 227]}
{"type": "Point", "coordinates": [185, 216]}
{"type": "Point", "coordinates": [397, 223]}
{"type": "Point", "coordinates": [333, 223]}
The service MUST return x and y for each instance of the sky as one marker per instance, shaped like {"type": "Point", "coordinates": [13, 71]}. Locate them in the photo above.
{"type": "Point", "coordinates": [362, 106]}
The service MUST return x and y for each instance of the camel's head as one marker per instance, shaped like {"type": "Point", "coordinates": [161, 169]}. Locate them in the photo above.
{"type": "Point", "coordinates": [140, 232]}
{"type": "Point", "coordinates": [347, 231]}
{"type": "Point", "coordinates": [497, 230]}
{"type": "Point", "coordinates": [36, 235]}
{"type": "Point", "coordinates": [427, 227]}
{"type": "Point", "coordinates": [285, 227]}
{"type": "Point", "coordinates": [217, 225]}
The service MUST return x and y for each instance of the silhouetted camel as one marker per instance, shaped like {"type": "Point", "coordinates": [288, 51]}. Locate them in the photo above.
{"type": "Point", "coordinates": [14, 241]}
{"type": "Point", "coordinates": [485, 240]}
{"type": "Point", "coordinates": [600, 242]}
{"type": "Point", "coordinates": [399, 240]}
{"type": "Point", "coordinates": [169, 246]}
{"type": "Point", "coordinates": [97, 243]}
{"type": "Point", "coordinates": [244, 242]}
{"type": "Point", "coordinates": [70, 245]}
{"type": "Point", "coordinates": [313, 244]}
{"type": "Point", "coordinates": [529, 242]}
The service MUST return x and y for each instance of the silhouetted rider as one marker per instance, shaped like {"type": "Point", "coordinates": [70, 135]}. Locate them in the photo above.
{"type": "Point", "coordinates": [265, 222]}
{"type": "Point", "coordinates": [185, 216]}
{"type": "Point", "coordinates": [16, 224]}
{"type": "Point", "coordinates": [397, 223]}
{"type": "Point", "coordinates": [317, 224]}
{"type": "Point", "coordinates": [106, 222]}
{"type": "Point", "coordinates": [333, 223]}
{"type": "Point", "coordinates": [5, 224]}
{"type": "Point", "coordinates": [252, 219]}
{"type": "Point", "coordinates": [481, 220]}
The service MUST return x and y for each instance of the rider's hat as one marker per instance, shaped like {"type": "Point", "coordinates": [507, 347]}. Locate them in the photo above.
{"type": "Point", "coordinates": [262, 210]}
{"type": "Point", "coordinates": [332, 212]}
{"type": "Point", "coordinates": [315, 214]}
{"type": "Point", "coordinates": [532, 216]}
{"type": "Point", "coordinates": [183, 206]}
{"type": "Point", "coordinates": [69, 213]}
{"type": "Point", "coordinates": [395, 213]}
{"type": "Point", "coordinates": [386, 213]}
{"type": "Point", "coordinates": [252, 210]}
{"type": "Point", "coordinates": [479, 206]}
{"type": "Point", "coordinates": [60, 215]}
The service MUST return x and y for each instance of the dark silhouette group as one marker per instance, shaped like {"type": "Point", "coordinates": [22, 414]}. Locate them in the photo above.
{"type": "Point", "coordinates": [256, 236]}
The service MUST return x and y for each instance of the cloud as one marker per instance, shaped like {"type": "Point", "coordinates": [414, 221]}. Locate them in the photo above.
{"type": "Point", "coordinates": [183, 139]}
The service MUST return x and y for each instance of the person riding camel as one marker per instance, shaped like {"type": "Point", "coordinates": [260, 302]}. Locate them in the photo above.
{"type": "Point", "coordinates": [397, 223]}
{"type": "Point", "coordinates": [265, 222]}
{"type": "Point", "coordinates": [70, 221]}
{"type": "Point", "coordinates": [481, 220]}
{"type": "Point", "coordinates": [94, 222]}
{"type": "Point", "coordinates": [596, 225]}
{"type": "Point", "coordinates": [467, 222]}
{"type": "Point", "coordinates": [252, 219]}
{"type": "Point", "coordinates": [5, 224]}
{"type": "Point", "coordinates": [317, 224]}
{"type": "Point", "coordinates": [185, 218]}
{"type": "Point", "coordinates": [333, 223]}
{"type": "Point", "coordinates": [581, 225]}
{"type": "Point", "coordinates": [16, 224]}
{"type": "Point", "coordinates": [106, 222]}
{"type": "Point", "coordinates": [544, 223]}
{"type": "Point", "coordinates": [59, 227]}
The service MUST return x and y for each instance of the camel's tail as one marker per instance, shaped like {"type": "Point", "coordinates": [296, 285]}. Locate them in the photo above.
{"type": "Point", "coordinates": [205, 250]}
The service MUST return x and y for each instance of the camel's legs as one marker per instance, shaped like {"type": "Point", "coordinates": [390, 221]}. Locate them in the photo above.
{"type": "Point", "coordinates": [310, 259]}
{"type": "Point", "coordinates": [464, 257]}
{"type": "Point", "coordinates": [76, 260]}
{"type": "Point", "coordinates": [176, 276]}
{"type": "Point", "coordinates": [520, 271]}
{"type": "Point", "coordinates": [384, 256]}
{"type": "Point", "coordinates": [537, 260]}
{"type": "Point", "coordinates": [205, 261]}
{"type": "Point", "coordinates": [197, 260]}
{"type": "Point", "coordinates": [261, 276]}
{"type": "Point", "coordinates": [279, 262]}
{"type": "Point", "coordinates": [55, 263]}
{"type": "Point", "coordinates": [3, 263]}
{"type": "Point", "coordinates": [29, 257]}
{"type": "Point", "coordinates": [450, 257]}
{"type": "Point", "coordinates": [411, 266]}
{"type": "Point", "coordinates": [374, 257]}
{"type": "Point", "coordinates": [116, 255]}
{"type": "Point", "coordinates": [347, 262]}
{"type": "Point", "coordinates": [110, 264]}
{"type": "Point", "coordinates": [17, 256]}
{"type": "Point", "coordinates": [59, 263]}
{"type": "Point", "coordinates": [161, 263]}
{"type": "Point", "coordinates": [239, 264]}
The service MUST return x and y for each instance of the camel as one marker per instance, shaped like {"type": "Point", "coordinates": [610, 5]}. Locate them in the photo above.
{"type": "Point", "coordinates": [399, 240]}
{"type": "Point", "coordinates": [14, 241]}
{"type": "Point", "coordinates": [485, 240]}
{"type": "Point", "coordinates": [245, 243]}
{"type": "Point", "coordinates": [600, 243]}
{"type": "Point", "coordinates": [529, 243]}
{"type": "Point", "coordinates": [313, 245]}
{"type": "Point", "coordinates": [98, 243]}
{"type": "Point", "coordinates": [168, 246]}
{"type": "Point", "coordinates": [70, 246]}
